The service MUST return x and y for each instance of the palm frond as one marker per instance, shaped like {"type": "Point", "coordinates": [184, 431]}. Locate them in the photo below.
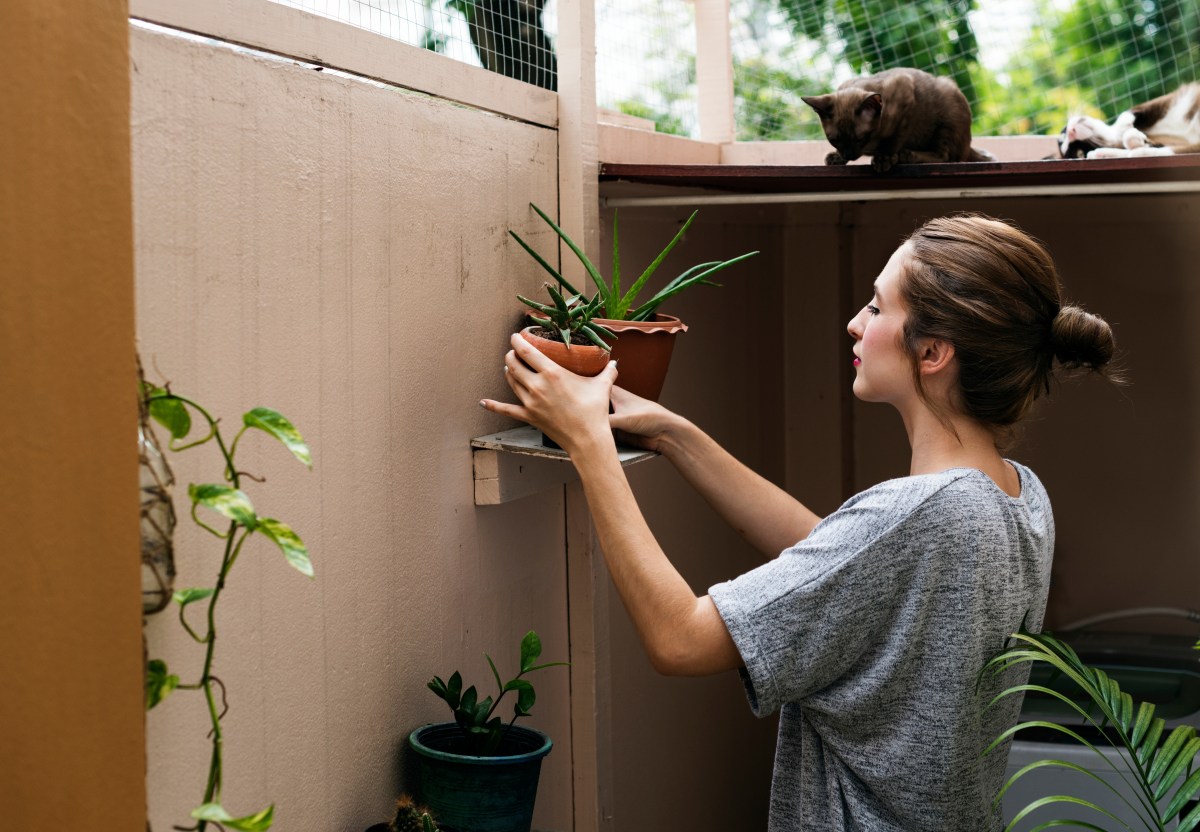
{"type": "Point", "coordinates": [1155, 764]}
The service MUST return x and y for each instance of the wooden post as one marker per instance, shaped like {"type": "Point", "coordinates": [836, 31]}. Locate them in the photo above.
{"type": "Point", "coordinates": [579, 216]}
{"type": "Point", "coordinates": [714, 71]}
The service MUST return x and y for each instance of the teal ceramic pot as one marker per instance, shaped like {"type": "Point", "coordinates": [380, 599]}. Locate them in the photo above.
{"type": "Point", "coordinates": [466, 793]}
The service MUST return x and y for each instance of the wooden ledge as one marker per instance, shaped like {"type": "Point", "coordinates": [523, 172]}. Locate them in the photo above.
{"type": "Point", "coordinates": [850, 179]}
{"type": "Point", "coordinates": [515, 464]}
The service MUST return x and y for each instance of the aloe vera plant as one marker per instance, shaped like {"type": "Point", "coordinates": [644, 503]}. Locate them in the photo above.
{"type": "Point", "coordinates": [568, 315]}
{"type": "Point", "coordinates": [227, 500]}
{"type": "Point", "coordinates": [615, 304]}
{"type": "Point", "coordinates": [1155, 762]}
{"type": "Point", "coordinates": [484, 731]}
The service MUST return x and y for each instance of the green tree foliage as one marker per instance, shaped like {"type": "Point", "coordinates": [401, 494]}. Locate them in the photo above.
{"type": "Point", "coordinates": [1125, 52]}
{"type": "Point", "coordinates": [874, 35]}
{"type": "Point", "coordinates": [767, 105]}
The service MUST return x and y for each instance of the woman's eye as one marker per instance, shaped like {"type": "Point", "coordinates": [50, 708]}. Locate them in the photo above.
{"type": "Point", "coordinates": [874, 310]}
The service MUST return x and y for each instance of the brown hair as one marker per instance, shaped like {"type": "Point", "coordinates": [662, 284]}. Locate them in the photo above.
{"type": "Point", "coordinates": [992, 291]}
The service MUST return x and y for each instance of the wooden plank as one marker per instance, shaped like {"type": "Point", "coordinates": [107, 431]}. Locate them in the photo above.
{"type": "Point", "coordinates": [285, 30]}
{"type": "Point", "coordinates": [856, 178]}
{"type": "Point", "coordinates": [514, 464]}
{"type": "Point", "coordinates": [714, 71]}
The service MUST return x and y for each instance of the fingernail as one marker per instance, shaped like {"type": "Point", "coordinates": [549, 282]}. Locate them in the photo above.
{"type": "Point", "coordinates": [483, 404]}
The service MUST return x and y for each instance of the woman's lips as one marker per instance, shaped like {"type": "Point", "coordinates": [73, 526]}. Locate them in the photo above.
{"type": "Point", "coordinates": [857, 361]}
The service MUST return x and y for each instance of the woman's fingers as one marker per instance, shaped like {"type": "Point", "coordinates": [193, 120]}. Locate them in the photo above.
{"type": "Point", "coordinates": [514, 411]}
{"type": "Point", "coordinates": [530, 354]}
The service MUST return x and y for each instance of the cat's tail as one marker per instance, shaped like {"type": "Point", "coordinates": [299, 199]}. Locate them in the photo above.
{"type": "Point", "coordinates": [980, 155]}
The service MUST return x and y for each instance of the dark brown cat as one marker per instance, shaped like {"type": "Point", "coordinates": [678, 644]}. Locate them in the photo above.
{"type": "Point", "coordinates": [898, 116]}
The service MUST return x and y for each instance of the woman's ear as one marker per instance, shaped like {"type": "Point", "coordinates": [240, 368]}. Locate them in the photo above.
{"type": "Point", "coordinates": [935, 356]}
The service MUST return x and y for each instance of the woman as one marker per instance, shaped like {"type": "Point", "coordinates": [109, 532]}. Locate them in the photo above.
{"type": "Point", "coordinates": [869, 633]}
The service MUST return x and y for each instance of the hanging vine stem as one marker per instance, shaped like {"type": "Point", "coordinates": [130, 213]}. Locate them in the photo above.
{"type": "Point", "coordinates": [171, 410]}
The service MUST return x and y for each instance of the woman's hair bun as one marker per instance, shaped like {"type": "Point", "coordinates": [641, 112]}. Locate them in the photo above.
{"type": "Point", "coordinates": [1081, 339]}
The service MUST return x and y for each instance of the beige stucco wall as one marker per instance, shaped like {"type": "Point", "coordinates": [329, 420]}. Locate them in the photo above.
{"type": "Point", "coordinates": [337, 249]}
{"type": "Point", "coordinates": [70, 629]}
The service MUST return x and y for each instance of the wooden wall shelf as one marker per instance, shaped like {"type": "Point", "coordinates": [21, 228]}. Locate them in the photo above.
{"type": "Point", "coordinates": [800, 183]}
{"type": "Point", "coordinates": [514, 464]}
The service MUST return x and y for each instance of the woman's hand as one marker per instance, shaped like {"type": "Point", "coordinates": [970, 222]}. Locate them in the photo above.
{"type": "Point", "coordinates": [640, 422]}
{"type": "Point", "coordinates": [569, 408]}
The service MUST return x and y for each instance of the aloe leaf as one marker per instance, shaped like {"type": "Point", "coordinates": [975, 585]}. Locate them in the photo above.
{"type": "Point", "coordinates": [591, 269]}
{"type": "Point", "coordinates": [159, 683]}
{"type": "Point", "coordinates": [224, 500]}
{"type": "Point", "coordinates": [531, 648]}
{"type": "Point", "coordinates": [616, 270]}
{"type": "Point", "coordinates": [601, 330]}
{"type": "Point", "coordinates": [589, 332]}
{"type": "Point", "coordinates": [645, 310]}
{"type": "Point", "coordinates": [1189, 789]}
{"type": "Point", "coordinates": [289, 543]}
{"type": "Point", "coordinates": [172, 414]}
{"type": "Point", "coordinates": [215, 813]}
{"type": "Point", "coordinates": [627, 300]}
{"type": "Point", "coordinates": [541, 307]}
{"type": "Point", "coordinates": [553, 271]}
{"type": "Point", "coordinates": [183, 597]}
{"type": "Point", "coordinates": [565, 334]}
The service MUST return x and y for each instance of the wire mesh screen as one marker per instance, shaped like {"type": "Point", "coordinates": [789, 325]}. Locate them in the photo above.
{"type": "Point", "coordinates": [1025, 66]}
{"type": "Point", "coordinates": [646, 61]}
{"type": "Point", "coordinates": [512, 37]}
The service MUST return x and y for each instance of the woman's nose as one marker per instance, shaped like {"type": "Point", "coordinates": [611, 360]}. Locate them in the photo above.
{"type": "Point", "coordinates": [854, 328]}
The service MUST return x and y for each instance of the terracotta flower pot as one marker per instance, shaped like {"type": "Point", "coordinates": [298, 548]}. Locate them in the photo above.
{"type": "Point", "coordinates": [643, 352]}
{"type": "Point", "coordinates": [582, 359]}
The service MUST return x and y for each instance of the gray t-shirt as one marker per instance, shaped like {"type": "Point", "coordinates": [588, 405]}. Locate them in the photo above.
{"type": "Point", "coordinates": [870, 634]}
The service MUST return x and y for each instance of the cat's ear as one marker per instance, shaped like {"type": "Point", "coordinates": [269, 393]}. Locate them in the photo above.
{"type": "Point", "coordinates": [823, 104]}
{"type": "Point", "coordinates": [872, 104]}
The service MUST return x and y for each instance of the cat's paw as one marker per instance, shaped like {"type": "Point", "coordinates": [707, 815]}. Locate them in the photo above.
{"type": "Point", "coordinates": [835, 158]}
{"type": "Point", "coordinates": [1134, 138]}
{"type": "Point", "coordinates": [1109, 153]}
{"type": "Point", "coordinates": [882, 163]}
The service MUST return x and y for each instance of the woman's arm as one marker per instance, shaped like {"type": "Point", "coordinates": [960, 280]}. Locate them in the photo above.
{"type": "Point", "coordinates": [764, 514]}
{"type": "Point", "coordinates": [682, 634]}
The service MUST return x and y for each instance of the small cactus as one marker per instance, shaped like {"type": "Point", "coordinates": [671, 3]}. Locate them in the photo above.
{"type": "Point", "coordinates": [412, 818]}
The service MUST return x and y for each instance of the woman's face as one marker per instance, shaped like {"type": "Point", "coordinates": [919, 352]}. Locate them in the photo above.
{"type": "Point", "coordinates": [884, 369]}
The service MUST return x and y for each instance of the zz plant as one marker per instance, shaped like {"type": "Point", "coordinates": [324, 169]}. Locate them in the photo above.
{"type": "Point", "coordinates": [230, 503]}
{"type": "Point", "coordinates": [483, 732]}
{"type": "Point", "coordinates": [615, 304]}
{"type": "Point", "coordinates": [1156, 763]}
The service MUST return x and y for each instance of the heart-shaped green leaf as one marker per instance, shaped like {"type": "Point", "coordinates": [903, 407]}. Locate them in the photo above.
{"type": "Point", "coordinates": [159, 683]}
{"type": "Point", "coordinates": [278, 426]}
{"type": "Point", "coordinates": [225, 500]}
{"type": "Point", "coordinates": [172, 414]}
{"type": "Point", "coordinates": [531, 648]}
{"type": "Point", "coordinates": [289, 543]}
{"type": "Point", "coordinates": [183, 597]}
{"type": "Point", "coordinates": [214, 812]}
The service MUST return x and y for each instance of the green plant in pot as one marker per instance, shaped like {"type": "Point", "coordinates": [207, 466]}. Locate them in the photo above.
{"type": "Point", "coordinates": [1161, 768]}
{"type": "Point", "coordinates": [642, 337]}
{"type": "Point", "coordinates": [567, 333]}
{"type": "Point", "coordinates": [479, 773]}
{"type": "Point", "coordinates": [226, 500]}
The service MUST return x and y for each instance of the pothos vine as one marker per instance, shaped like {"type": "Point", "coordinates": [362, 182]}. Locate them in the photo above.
{"type": "Point", "coordinates": [228, 501]}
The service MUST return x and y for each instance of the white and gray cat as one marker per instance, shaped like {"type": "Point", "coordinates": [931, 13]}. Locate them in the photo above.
{"type": "Point", "coordinates": [1165, 126]}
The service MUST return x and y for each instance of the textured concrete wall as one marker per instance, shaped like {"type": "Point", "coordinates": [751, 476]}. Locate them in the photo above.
{"type": "Point", "coordinates": [337, 249]}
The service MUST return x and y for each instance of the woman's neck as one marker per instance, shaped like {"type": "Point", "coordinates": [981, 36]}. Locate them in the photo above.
{"type": "Point", "coordinates": [935, 448]}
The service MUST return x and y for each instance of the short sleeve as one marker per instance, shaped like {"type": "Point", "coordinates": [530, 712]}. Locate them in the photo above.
{"type": "Point", "coordinates": [805, 618]}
